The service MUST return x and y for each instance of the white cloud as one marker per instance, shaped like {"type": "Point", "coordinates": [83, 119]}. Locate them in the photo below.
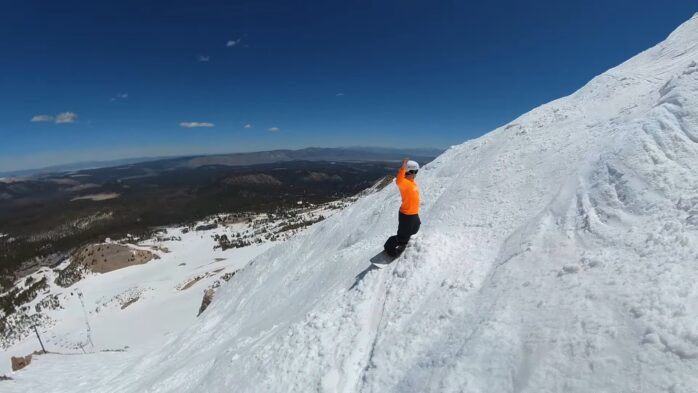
{"type": "Point", "coordinates": [195, 124]}
{"type": "Point", "coordinates": [42, 119]}
{"type": "Point", "coordinates": [61, 118]}
{"type": "Point", "coordinates": [340, 94]}
{"type": "Point", "coordinates": [66, 117]}
{"type": "Point", "coordinates": [248, 126]}
{"type": "Point", "coordinates": [275, 129]}
{"type": "Point", "coordinates": [119, 96]}
{"type": "Point", "coordinates": [204, 59]}
{"type": "Point", "coordinates": [233, 42]}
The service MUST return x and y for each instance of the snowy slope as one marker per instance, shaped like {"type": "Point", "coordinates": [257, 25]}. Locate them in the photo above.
{"type": "Point", "coordinates": [557, 254]}
{"type": "Point", "coordinates": [141, 305]}
{"type": "Point", "coordinates": [135, 306]}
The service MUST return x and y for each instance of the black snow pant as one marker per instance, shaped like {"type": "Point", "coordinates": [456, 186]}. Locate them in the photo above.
{"type": "Point", "coordinates": [408, 225]}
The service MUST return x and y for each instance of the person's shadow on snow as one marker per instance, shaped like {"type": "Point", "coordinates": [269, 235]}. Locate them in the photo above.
{"type": "Point", "coordinates": [363, 274]}
{"type": "Point", "coordinates": [377, 262]}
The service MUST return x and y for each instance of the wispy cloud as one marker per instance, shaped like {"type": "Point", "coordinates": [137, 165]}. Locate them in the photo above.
{"type": "Point", "coordinates": [203, 59]}
{"type": "Point", "coordinates": [248, 125]}
{"type": "Point", "coordinates": [61, 118]}
{"type": "Point", "coordinates": [42, 119]}
{"type": "Point", "coordinates": [66, 117]}
{"type": "Point", "coordinates": [274, 129]}
{"type": "Point", "coordinates": [195, 124]}
{"type": "Point", "coordinates": [119, 96]}
{"type": "Point", "coordinates": [339, 94]}
{"type": "Point", "coordinates": [232, 43]}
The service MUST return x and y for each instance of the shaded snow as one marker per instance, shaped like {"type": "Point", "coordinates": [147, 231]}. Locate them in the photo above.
{"type": "Point", "coordinates": [557, 253]}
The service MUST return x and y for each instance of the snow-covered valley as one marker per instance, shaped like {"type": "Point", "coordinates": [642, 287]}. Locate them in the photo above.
{"type": "Point", "coordinates": [557, 253]}
{"type": "Point", "coordinates": [130, 302]}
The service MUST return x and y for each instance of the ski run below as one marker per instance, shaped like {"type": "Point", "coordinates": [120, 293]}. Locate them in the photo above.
{"type": "Point", "coordinates": [557, 254]}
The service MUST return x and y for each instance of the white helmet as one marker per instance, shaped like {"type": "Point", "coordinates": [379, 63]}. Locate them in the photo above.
{"type": "Point", "coordinates": [412, 166]}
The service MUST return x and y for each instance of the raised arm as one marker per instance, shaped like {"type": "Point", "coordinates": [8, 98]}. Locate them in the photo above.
{"type": "Point", "coordinates": [401, 173]}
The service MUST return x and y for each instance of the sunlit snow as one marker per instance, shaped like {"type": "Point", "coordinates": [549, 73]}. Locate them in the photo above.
{"type": "Point", "coordinates": [557, 254]}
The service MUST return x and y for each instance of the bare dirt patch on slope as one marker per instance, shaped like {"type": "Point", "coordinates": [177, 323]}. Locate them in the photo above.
{"type": "Point", "coordinates": [107, 257]}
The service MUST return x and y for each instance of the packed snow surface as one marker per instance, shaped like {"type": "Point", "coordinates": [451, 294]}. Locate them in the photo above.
{"type": "Point", "coordinates": [557, 254]}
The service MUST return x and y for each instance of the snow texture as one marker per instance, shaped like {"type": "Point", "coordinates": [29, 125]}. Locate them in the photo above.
{"type": "Point", "coordinates": [557, 254]}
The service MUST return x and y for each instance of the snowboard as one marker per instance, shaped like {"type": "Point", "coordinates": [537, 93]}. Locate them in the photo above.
{"type": "Point", "coordinates": [382, 259]}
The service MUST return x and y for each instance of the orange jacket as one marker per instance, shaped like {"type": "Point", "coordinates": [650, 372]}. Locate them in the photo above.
{"type": "Point", "coordinates": [409, 191]}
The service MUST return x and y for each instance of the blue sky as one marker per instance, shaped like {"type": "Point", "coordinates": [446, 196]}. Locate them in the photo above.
{"type": "Point", "coordinates": [103, 80]}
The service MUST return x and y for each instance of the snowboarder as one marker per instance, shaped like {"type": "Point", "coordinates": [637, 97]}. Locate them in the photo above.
{"type": "Point", "coordinates": [408, 218]}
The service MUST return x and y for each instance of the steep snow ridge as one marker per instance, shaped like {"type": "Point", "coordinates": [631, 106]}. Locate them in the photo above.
{"type": "Point", "coordinates": [557, 253]}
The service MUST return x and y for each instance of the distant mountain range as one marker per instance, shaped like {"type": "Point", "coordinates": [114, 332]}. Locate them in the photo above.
{"type": "Point", "coordinates": [314, 154]}
{"type": "Point", "coordinates": [356, 153]}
